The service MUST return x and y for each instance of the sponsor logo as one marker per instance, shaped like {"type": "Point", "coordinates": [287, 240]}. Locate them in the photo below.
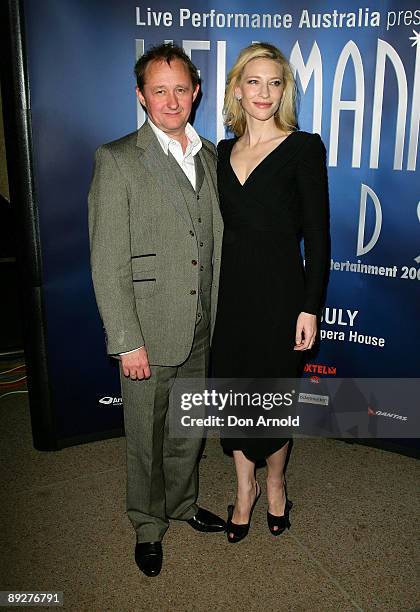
{"type": "Point", "coordinates": [387, 415]}
{"type": "Point", "coordinates": [114, 401]}
{"type": "Point", "coordinates": [311, 398]}
{"type": "Point", "coordinates": [319, 368]}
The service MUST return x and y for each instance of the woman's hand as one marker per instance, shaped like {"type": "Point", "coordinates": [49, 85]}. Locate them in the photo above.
{"type": "Point", "coordinates": [305, 331]}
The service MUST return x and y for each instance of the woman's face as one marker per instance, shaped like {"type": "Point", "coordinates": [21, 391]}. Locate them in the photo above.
{"type": "Point", "coordinates": [261, 88]}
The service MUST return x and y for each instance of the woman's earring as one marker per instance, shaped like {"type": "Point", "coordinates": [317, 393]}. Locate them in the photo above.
{"type": "Point", "coordinates": [238, 97]}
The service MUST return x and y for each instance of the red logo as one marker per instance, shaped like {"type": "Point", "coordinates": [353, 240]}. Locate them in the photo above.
{"type": "Point", "coordinates": [314, 379]}
{"type": "Point", "coordinates": [371, 412]}
{"type": "Point", "coordinates": [318, 368]}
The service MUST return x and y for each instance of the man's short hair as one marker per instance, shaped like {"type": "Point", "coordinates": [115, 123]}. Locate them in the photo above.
{"type": "Point", "coordinates": [164, 53]}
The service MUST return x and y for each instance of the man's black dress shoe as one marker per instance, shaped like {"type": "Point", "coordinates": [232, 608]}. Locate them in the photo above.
{"type": "Point", "coordinates": [148, 557]}
{"type": "Point", "coordinates": [207, 521]}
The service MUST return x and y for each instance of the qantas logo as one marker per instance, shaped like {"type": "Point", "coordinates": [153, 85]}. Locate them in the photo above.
{"type": "Point", "coordinates": [388, 415]}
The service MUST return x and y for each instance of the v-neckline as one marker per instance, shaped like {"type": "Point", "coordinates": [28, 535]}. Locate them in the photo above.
{"type": "Point", "coordinates": [259, 164]}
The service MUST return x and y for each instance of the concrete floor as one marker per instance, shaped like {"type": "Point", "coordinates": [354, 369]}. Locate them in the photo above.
{"type": "Point", "coordinates": [353, 544]}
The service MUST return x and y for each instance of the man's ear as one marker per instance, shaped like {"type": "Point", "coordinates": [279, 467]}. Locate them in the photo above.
{"type": "Point", "coordinates": [140, 97]}
{"type": "Point", "coordinates": [195, 92]}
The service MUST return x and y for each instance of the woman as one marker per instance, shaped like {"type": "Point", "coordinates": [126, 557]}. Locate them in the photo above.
{"type": "Point", "coordinates": [273, 190]}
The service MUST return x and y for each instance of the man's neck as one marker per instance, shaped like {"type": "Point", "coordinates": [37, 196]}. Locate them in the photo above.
{"type": "Point", "coordinates": [181, 138]}
{"type": "Point", "coordinates": [178, 135]}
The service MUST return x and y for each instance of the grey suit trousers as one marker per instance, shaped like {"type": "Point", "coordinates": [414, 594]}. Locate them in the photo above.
{"type": "Point", "coordinates": [162, 472]}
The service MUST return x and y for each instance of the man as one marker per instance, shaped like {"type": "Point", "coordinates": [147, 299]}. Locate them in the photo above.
{"type": "Point", "coordinates": [155, 231]}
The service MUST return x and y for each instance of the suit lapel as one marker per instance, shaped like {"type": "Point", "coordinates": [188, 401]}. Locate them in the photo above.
{"type": "Point", "coordinates": [209, 166]}
{"type": "Point", "coordinates": [156, 162]}
{"type": "Point", "coordinates": [199, 173]}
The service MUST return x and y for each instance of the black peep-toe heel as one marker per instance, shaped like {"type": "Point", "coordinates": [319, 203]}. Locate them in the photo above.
{"type": "Point", "coordinates": [278, 524]}
{"type": "Point", "coordinates": [239, 532]}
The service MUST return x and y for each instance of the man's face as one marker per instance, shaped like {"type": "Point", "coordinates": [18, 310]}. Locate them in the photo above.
{"type": "Point", "coordinates": [168, 95]}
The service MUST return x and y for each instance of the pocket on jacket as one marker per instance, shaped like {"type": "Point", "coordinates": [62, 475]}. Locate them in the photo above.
{"type": "Point", "coordinates": [144, 275]}
{"type": "Point", "coordinates": [144, 288]}
{"type": "Point", "coordinates": [143, 263]}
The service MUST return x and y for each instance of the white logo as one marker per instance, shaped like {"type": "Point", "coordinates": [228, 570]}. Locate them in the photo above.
{"type": "Point", "coordinates": [311, 398]}
{"type": "Point", "coordinates": [115, 401]}
{"type": "Point", "coordinates": [390, 415]}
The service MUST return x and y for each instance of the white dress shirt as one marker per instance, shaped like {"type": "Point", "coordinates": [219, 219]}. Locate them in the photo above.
{"type": "Point", "coordinates": [170, 145]}
{"type": "Point", "coordinates": [185, 160]}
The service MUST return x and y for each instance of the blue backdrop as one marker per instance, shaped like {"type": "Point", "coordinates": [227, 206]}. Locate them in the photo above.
{"type": "Point", "coordinates": [358, 71]}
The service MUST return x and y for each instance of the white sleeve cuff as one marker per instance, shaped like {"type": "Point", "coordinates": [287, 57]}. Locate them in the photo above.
{"type": "Point", "coordinates": [132, 351]}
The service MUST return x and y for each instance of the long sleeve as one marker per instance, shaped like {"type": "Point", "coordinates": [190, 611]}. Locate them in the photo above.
{"type": "Point", "coordinates": [313, 192]}
{"type": "Point", "coordinates": [109, 231]}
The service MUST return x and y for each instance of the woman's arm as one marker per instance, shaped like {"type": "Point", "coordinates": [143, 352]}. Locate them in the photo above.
{"type": "Point", "coordinates": [312, 184]}
{"type": "Point", "coordinates": [313, 193]}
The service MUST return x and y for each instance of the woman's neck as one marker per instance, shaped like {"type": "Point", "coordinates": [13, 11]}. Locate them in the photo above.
{"type": "Point", "coordinates": [257, 132]}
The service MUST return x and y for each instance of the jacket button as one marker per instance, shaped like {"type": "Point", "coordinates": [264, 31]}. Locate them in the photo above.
{"type": "Point", "coordinates": [199, 219]}
{"type": "Point", "coordinates": [191, 233]}
{"type": "Point", "coordinates": [193, 292]}
{"type": "Point", "coordinates": [198, 197]}
{"type": "Point", "coordinates": [201, 244]}
{"type": "Point", "coordinates": [194, 262]}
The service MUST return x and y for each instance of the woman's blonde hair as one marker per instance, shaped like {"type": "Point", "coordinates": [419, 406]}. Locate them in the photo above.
{"type": "Point", "coordinates": [233, 113]}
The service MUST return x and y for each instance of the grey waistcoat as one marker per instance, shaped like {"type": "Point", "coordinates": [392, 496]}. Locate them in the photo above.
{"type": "Point", "coordinates": [200, 208]}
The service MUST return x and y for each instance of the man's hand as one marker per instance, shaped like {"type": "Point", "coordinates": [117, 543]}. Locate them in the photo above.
{"type": "Point", "coordinates": [305, 331]}
{"type": "Point", "coordinates": [136, 364]}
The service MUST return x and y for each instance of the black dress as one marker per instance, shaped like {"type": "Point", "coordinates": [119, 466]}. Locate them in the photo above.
{"type": "Point", "coordinates": [263, 283]}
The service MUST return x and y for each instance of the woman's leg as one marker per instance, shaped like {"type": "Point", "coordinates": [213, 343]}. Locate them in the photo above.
{"type": "Point", "coordinates": [246, 487]}
{"type": "Point", "coordinates": [275, 481]}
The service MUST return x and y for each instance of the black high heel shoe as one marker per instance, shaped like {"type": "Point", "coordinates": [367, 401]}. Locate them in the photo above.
{"type": "Point", "coordinates": [278, 524]}
{"type": "Point", "coordinates": [239, 532]}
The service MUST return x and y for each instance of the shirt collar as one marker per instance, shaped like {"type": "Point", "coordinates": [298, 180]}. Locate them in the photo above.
{"type": "Point", "coordinates": [194, 140]}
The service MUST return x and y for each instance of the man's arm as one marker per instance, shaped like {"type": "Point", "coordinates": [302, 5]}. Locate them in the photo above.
{"type": "Point", "coordinates": [109, 230]}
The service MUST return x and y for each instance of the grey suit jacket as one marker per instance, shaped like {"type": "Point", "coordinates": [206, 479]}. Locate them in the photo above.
{"type": "Point", "coordinates": [140, 230]}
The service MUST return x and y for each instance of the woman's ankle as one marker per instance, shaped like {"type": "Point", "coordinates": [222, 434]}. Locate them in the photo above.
{"type": "Point", "coordinates": [275, 481]}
